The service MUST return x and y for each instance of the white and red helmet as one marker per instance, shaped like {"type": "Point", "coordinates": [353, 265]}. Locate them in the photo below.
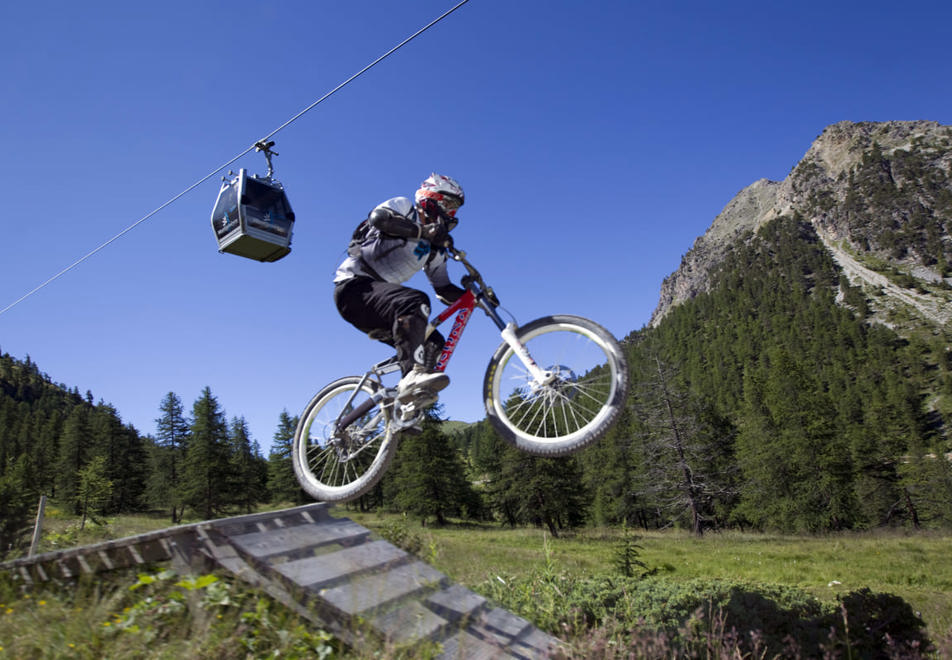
{"type": "Point", "coordinates": [443, 190]}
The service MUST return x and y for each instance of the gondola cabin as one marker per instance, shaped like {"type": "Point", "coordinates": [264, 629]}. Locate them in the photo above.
{"type": "Point", "coordinates": [253, 218]}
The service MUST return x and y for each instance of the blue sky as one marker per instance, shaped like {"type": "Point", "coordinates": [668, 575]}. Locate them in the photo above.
{"type": "Point", "coordinates": [595, 141]}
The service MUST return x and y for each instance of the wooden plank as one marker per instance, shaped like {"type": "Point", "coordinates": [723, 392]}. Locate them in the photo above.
{"type": "Point", "coordinates": [505, 623]}
{"type": "Point", "coordinates": [360, 595]}
{"type": "Point", "coordinates": [151, 551]}
{"type": "Point", "coordinates": [291, 555]}
{"type": "Point", "coordinates": [134, 555]}
{"type": "Point", "coordinates": [314, 572]}
{"type": "Point", "coordinates": [400, 601]}
{"type": "Point", "coordinates": [85, 566]}
{"type": "Point", "coordinates": [408, 623]}
{"type": "Point", "coordinates": [300, 540]}
{"type": "Point", "coordinates": [309, 513]}
{"type": "Point", "coordinates": [114, 550]}
{"type": "Point", "coordinates": [533, 643]}
{"type": "Point", "coordinates": [456, 603]}
{"type": "Point", "coordinates": [519, 637]}
{"type": "Point", "coordinates": [464, 646]}
{"type": "Point", "coordinates": [315, 515]}
{"type": "Point", "coordinates": [104, 559]}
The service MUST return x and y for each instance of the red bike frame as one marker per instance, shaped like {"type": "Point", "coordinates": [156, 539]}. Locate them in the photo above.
{"type": "Point", "coordinates": [463, 308]}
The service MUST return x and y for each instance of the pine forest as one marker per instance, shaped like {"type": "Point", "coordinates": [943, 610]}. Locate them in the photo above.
{"type": "Point", "coordinates": [783, 394]}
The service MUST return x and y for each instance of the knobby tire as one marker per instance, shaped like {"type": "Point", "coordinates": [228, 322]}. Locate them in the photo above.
{"type": "Point", "coordinates": [319, 457]}
{"type": "Point", "coordinates": [584, 399]}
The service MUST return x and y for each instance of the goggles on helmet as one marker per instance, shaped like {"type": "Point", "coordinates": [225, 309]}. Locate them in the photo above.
{"type": "Point", "coordinates": [451, 204]}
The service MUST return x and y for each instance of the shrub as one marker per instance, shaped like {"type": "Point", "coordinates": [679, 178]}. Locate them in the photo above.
{"type": "Point", "coordinates": [874, 624]}
{"type": "Point", "coordinates": [648, 615]}
{"type": "Point", "coordinates": [399, 534]}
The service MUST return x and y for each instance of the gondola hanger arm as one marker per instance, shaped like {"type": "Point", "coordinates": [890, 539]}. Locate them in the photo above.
{"type": "Point", "coordinates": [265, 146]}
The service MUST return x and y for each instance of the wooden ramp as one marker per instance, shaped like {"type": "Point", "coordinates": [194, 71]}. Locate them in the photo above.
{"type": "Point", "coordinates": [329, 570]}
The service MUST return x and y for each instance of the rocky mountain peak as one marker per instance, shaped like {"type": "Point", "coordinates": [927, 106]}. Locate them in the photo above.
{"type": "Point", "coordinates": [879, 192]}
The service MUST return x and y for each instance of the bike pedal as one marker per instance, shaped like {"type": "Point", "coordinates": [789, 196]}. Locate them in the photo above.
{"type": "Point", "coordinates": [407, 421]}
{"type": "Point", "coordinates": [417, 398]}
{"type": "Point", "coordinates": [409, 396]}
{"type": "Point", "coordinates": [424, 398]}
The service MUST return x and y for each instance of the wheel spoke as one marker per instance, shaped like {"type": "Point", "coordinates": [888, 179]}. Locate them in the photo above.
{"type": "Point", "coordinates": [334, 465]}
{"type": "Point", "coordinates": [538, 412]}
{"type": "Point", "coordinates": [588, 379]}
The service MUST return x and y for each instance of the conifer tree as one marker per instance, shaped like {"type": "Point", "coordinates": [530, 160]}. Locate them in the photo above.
{"type": "Point", "coordinates": [609, 469]}
{"type": "Point", "coordinates": [926, 487]}
{"type": "Point", "coordinates": [683, 464]}
{"type": "Point", "coordinates": [428, 478]}
{"type": "Point", "coordinates": [95, 489]}
{"type": "Point", "coordinates": [74, 452]}
{"type": "Point", "coordinates": [247, 486]}
{"type": "Point", "coordinates": [207, 475]}
{"type": "Point", "coordinates": [282, 484]}
{"type": "Point", "coordinates": [43, 452]}
{"type": "Point", "coordinates": [125, 458]}
{"type": "Point", "coordinates": [168, 457]}
{"type": "Point", "coordinates": [8, 416]}
{"type": "Point", "coordinates": [802, 465]}
{"type": "Point", "coordinates": [539, 491]}
{"type": "Point", "coordinates": [15, 505]}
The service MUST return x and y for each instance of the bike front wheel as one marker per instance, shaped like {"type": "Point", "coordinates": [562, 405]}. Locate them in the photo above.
{"type": "Point", "coordinates": [581, 396]}
{"type": "Point", "coordinates": [338, 465]}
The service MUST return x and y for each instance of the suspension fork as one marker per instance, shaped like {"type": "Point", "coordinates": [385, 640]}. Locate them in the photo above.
{"type": "Point", "coordinates": [508, 333]}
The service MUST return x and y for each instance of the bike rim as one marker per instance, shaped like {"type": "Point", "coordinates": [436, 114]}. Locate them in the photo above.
{"type": "Point", "coordinates": [577, 400]}
{"type": "Point", "coordinates": [338, 464]}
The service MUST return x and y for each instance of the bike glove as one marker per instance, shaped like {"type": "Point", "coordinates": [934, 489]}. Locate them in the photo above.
{"type": "Point", "coordinates": [437, 234]}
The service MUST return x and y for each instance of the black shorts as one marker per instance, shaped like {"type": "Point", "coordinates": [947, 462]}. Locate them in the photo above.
{"type": "Point", "coordinates": [373, 307]}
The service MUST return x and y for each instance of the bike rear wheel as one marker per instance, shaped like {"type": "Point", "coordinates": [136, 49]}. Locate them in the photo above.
{"type": "Point", "coordinates": [340, 465]}
{"type": "Point", "coordinates": [582, 396]}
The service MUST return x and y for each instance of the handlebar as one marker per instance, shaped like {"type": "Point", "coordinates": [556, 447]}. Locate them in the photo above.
{"type": "Point", "coordinates": [473, 277]}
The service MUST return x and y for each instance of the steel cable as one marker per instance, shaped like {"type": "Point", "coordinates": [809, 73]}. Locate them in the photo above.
{"type": "Point", "coordinates": [236, 158]}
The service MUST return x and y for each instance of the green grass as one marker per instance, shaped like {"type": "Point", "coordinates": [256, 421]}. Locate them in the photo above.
{"type": "Point", "coordinates": [120, 616]}
{"type": "Point", "coordinates": [914, 566]}
{"type": "Point", "coordinates": [50, 621]}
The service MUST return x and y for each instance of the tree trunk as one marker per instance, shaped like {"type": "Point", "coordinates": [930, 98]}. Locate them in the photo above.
{"type": "Point", "coordinates": [913, 512]}
{"type": "Point", "coordinates": [687, 485]}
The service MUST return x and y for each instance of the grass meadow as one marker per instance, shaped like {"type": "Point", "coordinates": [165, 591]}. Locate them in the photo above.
{"type": "Point", "coordinates": [69, 621]}
{"type": "Point", "coordinates": [916, 566]}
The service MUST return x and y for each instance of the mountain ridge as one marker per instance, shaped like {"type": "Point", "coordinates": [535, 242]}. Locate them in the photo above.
{"type": "Point", "coordinates": [904, 167]}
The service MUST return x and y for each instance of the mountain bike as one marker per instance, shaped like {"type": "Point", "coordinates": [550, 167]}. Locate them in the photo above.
{"type": "Point", "coordinates": [553, 386]}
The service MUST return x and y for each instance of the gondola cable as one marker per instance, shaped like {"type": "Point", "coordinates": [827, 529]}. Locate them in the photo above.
{"type": "Point", "coordinates": [253, 147]}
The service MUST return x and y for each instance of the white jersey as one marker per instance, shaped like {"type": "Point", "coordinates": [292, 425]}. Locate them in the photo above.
{"type": "Point", "coordinates": [393, 259]}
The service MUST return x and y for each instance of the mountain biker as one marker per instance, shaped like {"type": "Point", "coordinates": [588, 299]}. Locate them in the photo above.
{"type": "Point", "coordinates": [398, 239]}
